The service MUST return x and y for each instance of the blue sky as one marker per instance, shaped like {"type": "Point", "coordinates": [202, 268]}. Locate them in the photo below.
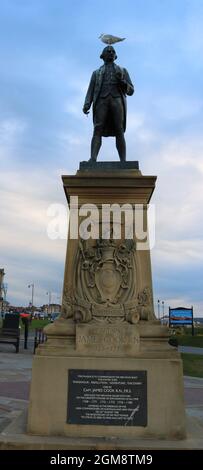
{"type": "Point", "coordinates": [48, 50]}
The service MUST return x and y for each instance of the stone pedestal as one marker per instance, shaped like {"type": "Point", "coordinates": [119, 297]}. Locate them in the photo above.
{"type": "Point", "coordinates": [107, 368]}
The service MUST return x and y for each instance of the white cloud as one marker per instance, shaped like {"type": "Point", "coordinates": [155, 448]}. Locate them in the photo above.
{"type": "Point", "coordinates": [74, 108]}
{"type": "Point", "coordinates": [24, 223]}
{"type": "Point", "coordinates": [11, 132]}
{"type": "Point", "coordinates": [185, 151]}
{"type": "Point", "coordinates": [135, 121]}
{"type": "Point", "coordinates": [175, 107]}
{"type": "Point", "coordinates": [72, 139]}
{"type": "Point", "coordinates": [10, 128]}
{"type": "Point", "coordinates": [179, 252]}
{"type": "Point", "coordinates": [23, 235]}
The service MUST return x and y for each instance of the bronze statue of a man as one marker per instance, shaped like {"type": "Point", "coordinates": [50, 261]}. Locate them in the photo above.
{"type": "Point", "coordinates": [107, 90]}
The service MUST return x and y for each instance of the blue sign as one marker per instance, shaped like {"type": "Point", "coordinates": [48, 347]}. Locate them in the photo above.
{"type": "Point", "coordinates": [180, 316]}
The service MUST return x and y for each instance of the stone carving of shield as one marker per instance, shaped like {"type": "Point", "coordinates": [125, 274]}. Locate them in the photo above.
{"type": "Point", "coordinates": [108, 281]}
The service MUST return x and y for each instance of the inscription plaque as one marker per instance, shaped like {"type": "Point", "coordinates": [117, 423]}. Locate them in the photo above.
{"type": "Point", "coordinates": [108, 340]}
{"type": "Point", "coordinates": [114, 398]}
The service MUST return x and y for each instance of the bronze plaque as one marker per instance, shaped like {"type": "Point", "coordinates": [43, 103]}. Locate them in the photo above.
{"type": "Point", "coordinates": [107, 397]}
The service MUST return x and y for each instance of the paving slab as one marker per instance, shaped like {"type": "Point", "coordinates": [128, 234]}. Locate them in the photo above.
{"type": "Point", "coordinates": [190, 350]}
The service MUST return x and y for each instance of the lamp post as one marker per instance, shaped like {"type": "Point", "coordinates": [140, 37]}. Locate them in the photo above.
{"type": "Point", "coordinates": [162, 309]}
{"type": "Point", "coordinates": [3, 291]}
{"type": "Point", "coordinates": [158, 305]}
{"type": "Point", "coordinates": [1, 304]}
{"type": "Point", "coordinates": [5, 288]}
{"type": "Point", "coordinates": [49, 301]}
{"type": "Point", "coordinates": [32, 286]}
{"type": "Point", "coordinates": [58, 309]}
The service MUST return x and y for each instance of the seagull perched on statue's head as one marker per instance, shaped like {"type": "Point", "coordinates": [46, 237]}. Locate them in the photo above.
{"type": "Point", "coordinates": [109, 39]}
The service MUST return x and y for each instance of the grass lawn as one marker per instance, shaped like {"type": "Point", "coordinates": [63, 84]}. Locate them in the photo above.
{"type": "Point", "coordinates": [192, 365]}
{"type": "Point", "coordinates": [34, 324]}
{"type": "Point", "coordinates": [188, 340]}
{"type": "Point", "coordinates": [37, 324]}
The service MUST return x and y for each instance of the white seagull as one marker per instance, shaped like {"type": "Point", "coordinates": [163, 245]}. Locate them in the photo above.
{"type": "Point", "coordinates": [109, 39]}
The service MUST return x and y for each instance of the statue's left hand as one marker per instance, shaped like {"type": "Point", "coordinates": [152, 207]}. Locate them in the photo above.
{"type": "Point", "coordinates": [86, 109]}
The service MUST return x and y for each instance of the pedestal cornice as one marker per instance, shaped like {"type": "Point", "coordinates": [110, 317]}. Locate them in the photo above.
{"type": "Point", "coordinates": [121, 185]}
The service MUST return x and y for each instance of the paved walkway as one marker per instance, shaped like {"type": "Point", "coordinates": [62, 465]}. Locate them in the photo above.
{"type": "Point", "coordinates": [190, 350]}
{"type": "Point", "coordinates": [15, 377]}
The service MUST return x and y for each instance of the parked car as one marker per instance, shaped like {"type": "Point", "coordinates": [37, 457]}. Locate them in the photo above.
{"type": "Point", "coordinates": [35, 315]}
{"type": "Point", "coordinates": [41, 315]}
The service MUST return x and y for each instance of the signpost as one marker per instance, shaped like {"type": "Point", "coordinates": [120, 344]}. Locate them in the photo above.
{"type": "Point", "coordinates": [181, 316]}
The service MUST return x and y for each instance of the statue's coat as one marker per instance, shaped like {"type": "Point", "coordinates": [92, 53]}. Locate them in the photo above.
{"type": "Point", "coordinates": [93, 93]}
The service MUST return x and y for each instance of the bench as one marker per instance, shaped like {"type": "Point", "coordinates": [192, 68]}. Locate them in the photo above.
{"type": "Point", "coordinates": [10, 331]}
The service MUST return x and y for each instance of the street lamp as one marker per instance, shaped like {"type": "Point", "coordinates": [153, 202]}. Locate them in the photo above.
{"type": "Point", "coordinates": [3, 291]}
{"type": "Point", "coordinates": [49, 294]}
{"type": "Point", "coordinates": [158, 304]}
{"type": "Point", "coordinates": [1, 303]}
{"type": "Point", "coordinates": [32, 286]}
{"type": "Point", "coordinates": [162, 308]}
{"type": "Point", "coordinates": [5, 288]}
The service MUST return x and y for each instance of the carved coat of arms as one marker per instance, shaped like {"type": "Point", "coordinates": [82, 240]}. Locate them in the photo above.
{"type": "Point", "coordinates": [105, 285]}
